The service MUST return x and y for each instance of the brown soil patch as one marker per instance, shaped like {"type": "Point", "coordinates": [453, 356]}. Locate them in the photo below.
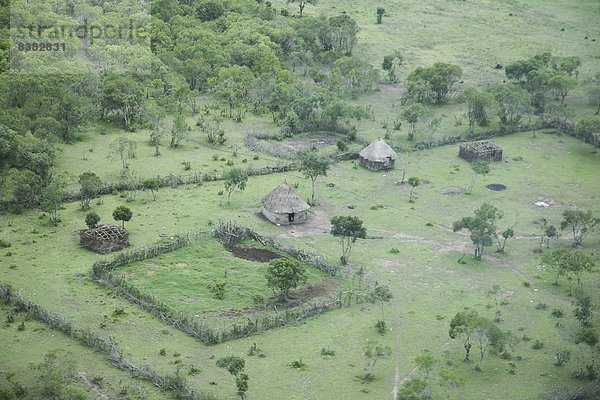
{"type": "Point", "coordinates": [309, 292]}
{"type": "Point", "coordinates": [452, 191]}
{"type": "Point", "coordinates": [308, 141]}
{"type": "Point", "coordinates": [253, 254]}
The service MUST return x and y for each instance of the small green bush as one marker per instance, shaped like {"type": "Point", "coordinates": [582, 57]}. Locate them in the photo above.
{"type": "Point", "coordinates": [381, 327]}
{"type": "Point", "coordinates": [394, 250]}
{"type": "Point", "coordinates": [537, 345]}
{"type": "Point", "coordinates": [162, 352]}
{"type": "Point", "coordinates": [557, 313]}
{"type": "Point", "coordinates": [298, 364]}
{"type": "Point", "coordinates": [4, 244]}
{"type": "Point", "coordinates": [326, 351]}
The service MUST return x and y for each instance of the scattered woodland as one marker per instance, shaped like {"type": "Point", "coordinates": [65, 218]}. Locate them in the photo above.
{"type": "Point", "coordinates": [300, 199]}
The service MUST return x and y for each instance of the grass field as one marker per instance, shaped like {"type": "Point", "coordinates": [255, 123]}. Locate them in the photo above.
{"type": "Point", "coordinates": [428, 284]}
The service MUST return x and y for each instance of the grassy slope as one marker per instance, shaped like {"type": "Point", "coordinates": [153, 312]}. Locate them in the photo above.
{"type": "Point", "coordinates": [425, 277]}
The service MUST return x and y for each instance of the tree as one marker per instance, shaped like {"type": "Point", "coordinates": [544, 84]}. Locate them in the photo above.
{"type": "Point", "coordinates": [373, 351]}
{"type": "Point", "coordinates": [579, 262]}
{"type": "Point", "coordinates": [480, 107]}
{"type": "Point", "coordinates": [482, 227]}
{"type": "Point", "coordinates": [557, 260]}
{"type": "Point", "coordinates": [587, 128]}
{"type": "Point", "coordinates": [463, 324]}
{"type": "Point", "coordinates": [479, 168]}
{"type": "Point", "coordinates": [381, 294]}
{"type": "Point", "coordinates": [592, 89]}
{"type": "Point", "coordinates": [122, 213]}
{"type": "Point", "coordinates": [52, 197]}
{"type": "Point", "coordinates": [584, 309]}
{"type": "Point", "coordinates": [313, 165]}
{"type": "Point", "coordinates": [506, 234]}
{"type": "Point", "coordinates": [211, 127]}
{"type": "Point", "coordinates": [123, 95]}
{"type": "Point", "coordinates": [235, 178]}
{"type": "Point", "coordinates": [380, 13]}
{"type": "Point", "coordinates": [439, 78]}
{"type": "Point", "coordinates": [413, 389]}
{"type": "Point", "coordinates": [302, 4]}
{"type": "Point", "coordinates": [348, 229]}
{"type": "Point", "coordinates": [233, 85]}
{"type": "Point", "coordinates": [580, 223]}
{"type": "Point", "coordinates": [285, 274]}
{"type": "Point", "coordinates": [449, 380]}
{"type": "Point", "coordinates": [425, 363]}
{"type": "Point", "coordinates": [123, 149]}
{"type": "Point", "coordinates": [486, 335]}
{"type": "Point", "coordinates": [92, 219]}
{"type": "Point", "coordinates": [90, 187]}
{"type": "Point", "coordinates": [152, 184]}
{"type": "Point", "coordinates": [561, 84]}
{"type": "Point", "coordinates": [179, 130]}
{"type": "Point", "coordinates": [390, 63]}
{"type": "Point", "coordinates": [235, 366]}
{"type": "Point", "coordinates": [413, 114]}
{"type": "Point", "coordinates": [512, 100]}
{"type": "Point", "coordinates": [413, 181]}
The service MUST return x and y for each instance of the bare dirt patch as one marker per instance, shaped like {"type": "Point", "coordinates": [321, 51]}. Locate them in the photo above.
{"type": "Point", "coordinates": [308, 141]}
{"type": "Point", "coordinates": [253, 254]}
{"type": "Point", "coordinates": [496, 187]}
{"type": "Point", "coordinates": [452, 191]}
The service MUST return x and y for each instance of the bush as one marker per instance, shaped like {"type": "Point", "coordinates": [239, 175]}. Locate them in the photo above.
{"type": "Point", "coordinates": [92, 219]}
{"type": "Point", "coordinates": [537, 345]}
{"type": "Point", "coordinates": [298, 364]}
{"type": "Point", "coordinates": [326, 351]}
{"type": "Point", "coordinates": [394, 250]}
{"type": "Point", "coordinates": [557, 313]}
{"type": "Point", "coordinates": [381, 327]}
{"type": "Point", "coordinates": [4, 244]}
{"type": "Point", "coordinates": [562, 357]}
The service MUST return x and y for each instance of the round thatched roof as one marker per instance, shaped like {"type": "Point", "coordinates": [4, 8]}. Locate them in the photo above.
{"type": "Point", "coordinates": [284, 200]}
{"type": "Point", "coordinates": [379, 150]}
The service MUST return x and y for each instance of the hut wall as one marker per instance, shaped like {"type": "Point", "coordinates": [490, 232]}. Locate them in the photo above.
{"type": "Point", "coordinates": [471, 154]}
{"type": "Point", "coordinates": [377, 165]}
{"type": "Point", "coordinates": [283, 219]}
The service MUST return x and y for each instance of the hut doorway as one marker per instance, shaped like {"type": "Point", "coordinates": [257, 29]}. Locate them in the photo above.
{"type": "Point", "coordinates": [291, 217]}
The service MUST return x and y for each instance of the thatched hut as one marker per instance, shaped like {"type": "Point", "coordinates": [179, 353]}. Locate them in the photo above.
{"type": "Point", "coordinates": [485, 150]}
{"type": "Point", "coordinates": [104, 238]}
{"type": "Point", "coordinates": [377, 156]}
{"type": "Point", "coordinates": [283, 206]}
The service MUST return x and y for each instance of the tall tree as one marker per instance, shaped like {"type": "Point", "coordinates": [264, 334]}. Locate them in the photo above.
{"type": "Point", "coordinates": [179, 130]}
{"type": "Point", "coordinates": [52, 197]}
{"type": "Point", "coordinates": [348, 229]}
{"type": "Point", "coordinates": [479, 168]}
{"type": "Point", "coordinates": [285, 274]}
{"type": "Point", "coordinates": [587, 128]}
{"type": "Point", "coordinates": [235, 366]}
{"type": "Point", "coordinates": [123, 149]}
{"type": "Point", "coordinates": [513, 102]}
{"type": "Point", "coordinates": [390, 63]}
{"type": "Point", "coordinates": [482, 227]}
{"type": "Point", "coordinates": [235, 178]}
{"type": "Point", "coordinates": [440, 78]}
{"type": "Point", "coordinates": [302, 4]}
{"type": "Point", "coordinates": [580, 222]}
{"type": "Point", "coordinates": [122, 213]}
{"type": "Point", "coordinates": [313, 165]}
{"type": "Point", "coordinates": [412, 114]}
{"type": "Point", "coordinates": [123, 95]}
{"type": "Point", "coordinates": [90, 186]}
{"type": "Point", "coordinates": [592, 89]}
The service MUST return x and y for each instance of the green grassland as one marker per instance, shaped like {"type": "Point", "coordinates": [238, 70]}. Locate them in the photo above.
{"type": "Point", "coordinates": [428, 283]}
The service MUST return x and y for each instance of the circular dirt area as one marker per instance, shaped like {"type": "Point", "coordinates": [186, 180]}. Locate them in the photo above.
{"type": "Point", "coordinates": [496, 186]}
{"type": "Point", "coordinates": [253, 254]}
{"type": "Point", "coordinates": [319, 139]}
{"type": "Point", "coordinates": [452, 191]}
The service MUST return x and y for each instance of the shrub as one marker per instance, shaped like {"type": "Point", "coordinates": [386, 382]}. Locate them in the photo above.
{"type": "Point", "coordinates": [537, 345]}
{"type": "Point", "coordinates": [326, 351]}
{"type": "Point", "coordinates": [526, 284]}
{"type": "Point", "coordinates": [557, 313]}
{"type": "Point", "coordinates": [562, 357]}
{"type": "Point", "coordinates": [4, 244]}
{"type": "Point", "coordinates": [298, 364]}
{"type": "Point", "coordinates": [162, 352]}
{"type": "Point", "coordinates": [381, 327]}
{"type": "Point", "coordinates": [92, 219]}
{"type": "Point", "coordinates": [541, 306]}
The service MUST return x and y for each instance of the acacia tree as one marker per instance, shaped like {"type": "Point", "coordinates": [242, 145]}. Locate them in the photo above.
{"type": "Point", "coordinates": [235, 366]}
{"type": "Point", "coordinates": [313, 165]}
{"type": "Point", "coordinates": [390, 63]}
{"type": "Point", "coordinates": [413, 181]}
{"type": "Point", "coordinates": [90, 186]}
{"type": "Point", "coordinates": [235, 178]}
{"type": "Point", "coordinates": [302, 4]}
{"type": "Point", "coordinates": [285, 274]}
{"type": "Point", "coordinates": [348, 229]}
{"type": "Point", "coordinates": [52, 197]}
{"type": "Point", "coordinates": [482, 227]}
{"type": "Point", "coordinates": [123, 149]}
{"type": "Point", "coordinates": [412, 114]}
{"type": "Point", "coordinates": [479, 168]}
{"type": "Point", "coordinates": [587, 128]}
{"type": "Point", "coordinates": [122, 213]}
{"type": "Point", "coordinates": [580, 223]}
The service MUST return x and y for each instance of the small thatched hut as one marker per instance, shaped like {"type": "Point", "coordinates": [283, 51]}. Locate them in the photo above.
{"type": "Point", "coordinates": [485, 150]}
{"type": "Point", "coordinates": [377, 156]}
{"type": "Point", "coordinates": [104, 238]}
{"type": "Point", "coordinates": [283, 206]}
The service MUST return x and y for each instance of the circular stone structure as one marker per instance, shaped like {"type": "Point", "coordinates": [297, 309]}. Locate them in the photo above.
{"type": "Point", "coordinates": [496, 186]}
